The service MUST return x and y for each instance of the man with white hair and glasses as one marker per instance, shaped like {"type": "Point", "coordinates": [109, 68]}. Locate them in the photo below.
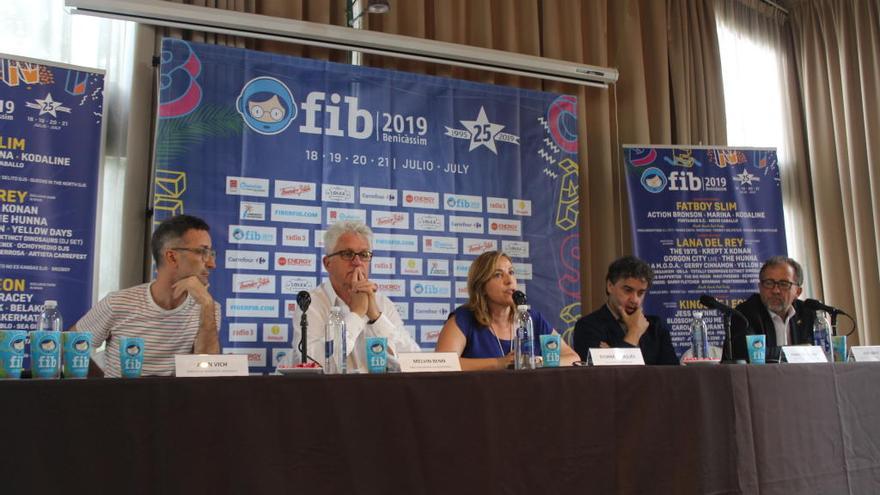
{"type": "Point", "coordinates": [367, 313]}
{"type": "Point", "coordinates": [775, 310]}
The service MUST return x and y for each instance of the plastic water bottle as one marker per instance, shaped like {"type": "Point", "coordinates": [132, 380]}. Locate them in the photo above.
{"type": "Point", "coordinates": [50, 319]}
{"type": "Point", "coordinates": [335, 344]}
{"type": "Point", "coordinates": [46, 350]}
{"type": "Point", "coordinates": [822, 333]}
{"type": "Point", "coordinates": [524, 345]}
{"type": "Point", "coordinates": [699, 336]}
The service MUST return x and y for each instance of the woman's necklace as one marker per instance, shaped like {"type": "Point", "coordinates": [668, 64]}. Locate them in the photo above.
{"type": "Point", "coordinates": [497, 339]}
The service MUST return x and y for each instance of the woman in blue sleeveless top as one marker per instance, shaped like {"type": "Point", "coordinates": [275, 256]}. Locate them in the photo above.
{"type": "Point", "coordinates": [481, 331]}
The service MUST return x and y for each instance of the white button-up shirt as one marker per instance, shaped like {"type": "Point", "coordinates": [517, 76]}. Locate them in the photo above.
{"type": "Point", "coordinates": [388, 325]}
{"type": "Point", "coordinates": [781, 326]}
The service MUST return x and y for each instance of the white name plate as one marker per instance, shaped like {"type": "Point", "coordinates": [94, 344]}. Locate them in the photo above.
{"type": "Point", "coordinates": [804, 354]}
{"type": "Point", "coordinates": [190, 365]}
{"type": "Point", "coordinates": [865, 353]}
{"type": "Point", "coordinates": [617, 356]}
{"type": "Point", "coordinates": [414, 362]}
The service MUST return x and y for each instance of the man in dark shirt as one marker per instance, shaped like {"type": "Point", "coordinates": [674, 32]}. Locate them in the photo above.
{"type": "Point", "coordinates": [620, 322]}
{"type": "Point", "coordinates": [775, 310]}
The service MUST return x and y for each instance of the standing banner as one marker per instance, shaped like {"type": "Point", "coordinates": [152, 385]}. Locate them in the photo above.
{"type": "Point", "coordinates": [50, 149]}
{"type": "Point", "coordinates": [272, 149]}
{"type": "Point", "coordinates": [704, 219]}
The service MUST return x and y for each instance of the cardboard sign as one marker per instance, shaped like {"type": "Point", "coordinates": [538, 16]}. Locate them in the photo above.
{"type": "Point", "coordinates": [617, 356]}
{"type": "Point", "coordinates": [414, 362]}
{"type": "Point", "coordinates": [190, 365]}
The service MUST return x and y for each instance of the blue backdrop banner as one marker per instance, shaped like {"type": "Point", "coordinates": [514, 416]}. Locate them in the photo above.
{"type": "Point", "coordinates": [50, 147]}
{"type": "Point", "coordinates": [705, 219]}
{"type": "Point", "coordinates": [272, 149]}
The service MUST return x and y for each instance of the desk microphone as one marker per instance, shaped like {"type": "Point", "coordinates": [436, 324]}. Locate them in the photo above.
{"type": "Point", "coordinates": [303, 300]}
{"type": "Point", "coordinates": [519, 297]}
{"type": "Point", "coordinates": [814, 305]}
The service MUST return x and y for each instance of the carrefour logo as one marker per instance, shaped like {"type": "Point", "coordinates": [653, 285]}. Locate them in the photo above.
{"type": "Point", "coordinates": [425, 288]}
{"type": "Point", "coordinates": [430, 311]}
{"type": "Point", "coordinates": [248, 260]}
{"type": "Point", "coordinates": [459, 202]}
{"type": "Point", "coordinates": [467, 225]}
{"type": "Point", "coordinates": [243, 234]}
{"type": "Point", "coordinates": [378, 196]}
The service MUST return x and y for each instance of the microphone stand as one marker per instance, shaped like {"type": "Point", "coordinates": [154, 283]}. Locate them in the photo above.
{"type": "Point", "coordinates": [729, 337]}
{"type": "Point", "coordinates": [304, 325]}
{"type": "Point", "coordinates": [834, 323]}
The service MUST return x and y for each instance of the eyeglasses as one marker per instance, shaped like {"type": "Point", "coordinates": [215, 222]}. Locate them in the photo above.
{"type": "Point", "coordinates": [768, 283]}
{"type": "Point", "coordinates": [348, 255]}
{"type": "Point", "coordinates": [205, 253]}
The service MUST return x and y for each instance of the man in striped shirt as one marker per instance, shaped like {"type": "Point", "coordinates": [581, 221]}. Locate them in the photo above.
{"type": "Point", "coordinates": [174, 314]}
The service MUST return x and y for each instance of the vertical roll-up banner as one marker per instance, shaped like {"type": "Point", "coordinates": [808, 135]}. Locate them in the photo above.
{"type": "Point", "coordinates": [50, 149]}
{"type": "Point", "coordinates": [272, 149]}
{"type": "Point", "coordinates": [705, 219]}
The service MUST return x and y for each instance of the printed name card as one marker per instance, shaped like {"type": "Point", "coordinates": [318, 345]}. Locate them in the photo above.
{"type": "Point", "coordinates": [190, 365]}
{"type": "Point", "coordinates": [865, 353]}
{"type": "Point", "coordinates": [617, 356]}
{"type": "Point", "coordinates": [804, 354]}
{"type": "Point", "coordinates": [414, 362]}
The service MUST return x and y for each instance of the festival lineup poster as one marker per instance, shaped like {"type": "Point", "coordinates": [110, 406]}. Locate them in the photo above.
{"type": "Point", "coordinates": [705, 219]}
{"type": "Point", "coordinates": [50, 148]}
{"type": "Point", "coordinates": [272, 149]}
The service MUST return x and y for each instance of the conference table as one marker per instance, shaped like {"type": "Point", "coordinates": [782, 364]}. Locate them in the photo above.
{"type": "Point", "coordinates": [784, 428]}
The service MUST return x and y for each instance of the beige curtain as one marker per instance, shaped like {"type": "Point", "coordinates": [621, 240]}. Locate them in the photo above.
{"type": "Point", "coordinates": [837, 47]}
{"type": "Point", "coordinates": [756, 22]}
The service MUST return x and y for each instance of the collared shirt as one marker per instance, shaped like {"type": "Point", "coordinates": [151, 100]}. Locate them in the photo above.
{"type": "Point", "coordinates": [388, 325]}
{"type": "Point", "coordinates": [781, 326]}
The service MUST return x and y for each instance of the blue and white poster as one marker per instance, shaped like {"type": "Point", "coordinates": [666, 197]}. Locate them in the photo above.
{"type": "Point", "coordinates": [705, 219]}
{"type": "Point", "coordinates": [50, 148]}
{"type": "Point", "coordinates": [272, 149]}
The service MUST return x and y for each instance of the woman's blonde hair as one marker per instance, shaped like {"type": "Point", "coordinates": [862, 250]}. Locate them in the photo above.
{"type": "Point", "coordinates": [480, 273]}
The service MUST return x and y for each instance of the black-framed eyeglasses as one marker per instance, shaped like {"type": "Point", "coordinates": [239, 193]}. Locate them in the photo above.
{"type": "Point", "coordinates": [348, 255]}
{"type": "Point", "coordinates": [205, 253]}
{"type": "Point", "coordinates": [769, 283]}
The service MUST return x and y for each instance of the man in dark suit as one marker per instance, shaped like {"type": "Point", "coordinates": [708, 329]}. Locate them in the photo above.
{"type": "Point", "coordinates": [775, 310]}
{"type": "Point", "coordinates": [620, 322]}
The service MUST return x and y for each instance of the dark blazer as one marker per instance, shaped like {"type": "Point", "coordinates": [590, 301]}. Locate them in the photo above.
{"type": "Point", "coordinates": [760, 323]}
{"type": "Point", "coordinates": [601, 326]}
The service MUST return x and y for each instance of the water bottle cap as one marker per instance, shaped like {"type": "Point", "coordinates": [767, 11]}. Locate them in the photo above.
{"type": "Point", "coordinates": [50, 303]}
{"type": "Point", "coordinates": [522, 307]}
{"type": "Point", "coordinates": [336, 309]}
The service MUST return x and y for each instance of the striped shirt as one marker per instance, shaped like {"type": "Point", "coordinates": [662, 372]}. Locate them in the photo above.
{"type": "Point", "coordinates": [132, 312]}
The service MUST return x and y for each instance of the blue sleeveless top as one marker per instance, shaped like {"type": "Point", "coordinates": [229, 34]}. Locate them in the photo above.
{"type": "Point", "coordinates": [481, 342]}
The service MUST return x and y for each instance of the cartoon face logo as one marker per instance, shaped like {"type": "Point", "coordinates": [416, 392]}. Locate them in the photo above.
{"type": "Point", "coordinates": [48, 345]}
{"type": "Point", "coordinates": [132, 349]}
{"type": "Point", "coordinates": [18, 346]}
{"type": "Point", "coordinates": [266, 105]}
{"type": "Point", "coordinates": [81, 345]}
{"type": "Point", "coordinates": [377, 347]}
{"type": "Point", "coordinates": [757, 344]}
{"type": "Point", "coordinates": [654, 180]}
{"type": "Point", "coordinates": [552, 345]}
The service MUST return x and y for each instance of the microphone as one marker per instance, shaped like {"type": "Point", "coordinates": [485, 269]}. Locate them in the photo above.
{"type": "Point", "coordinates": [712, 303]}
{"type": "Point", "coordinates": [814, 305]}
{"type": "Point", "coordinates": [519, 297]}
{"type": "Point", "coordinates": [303, 300]}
